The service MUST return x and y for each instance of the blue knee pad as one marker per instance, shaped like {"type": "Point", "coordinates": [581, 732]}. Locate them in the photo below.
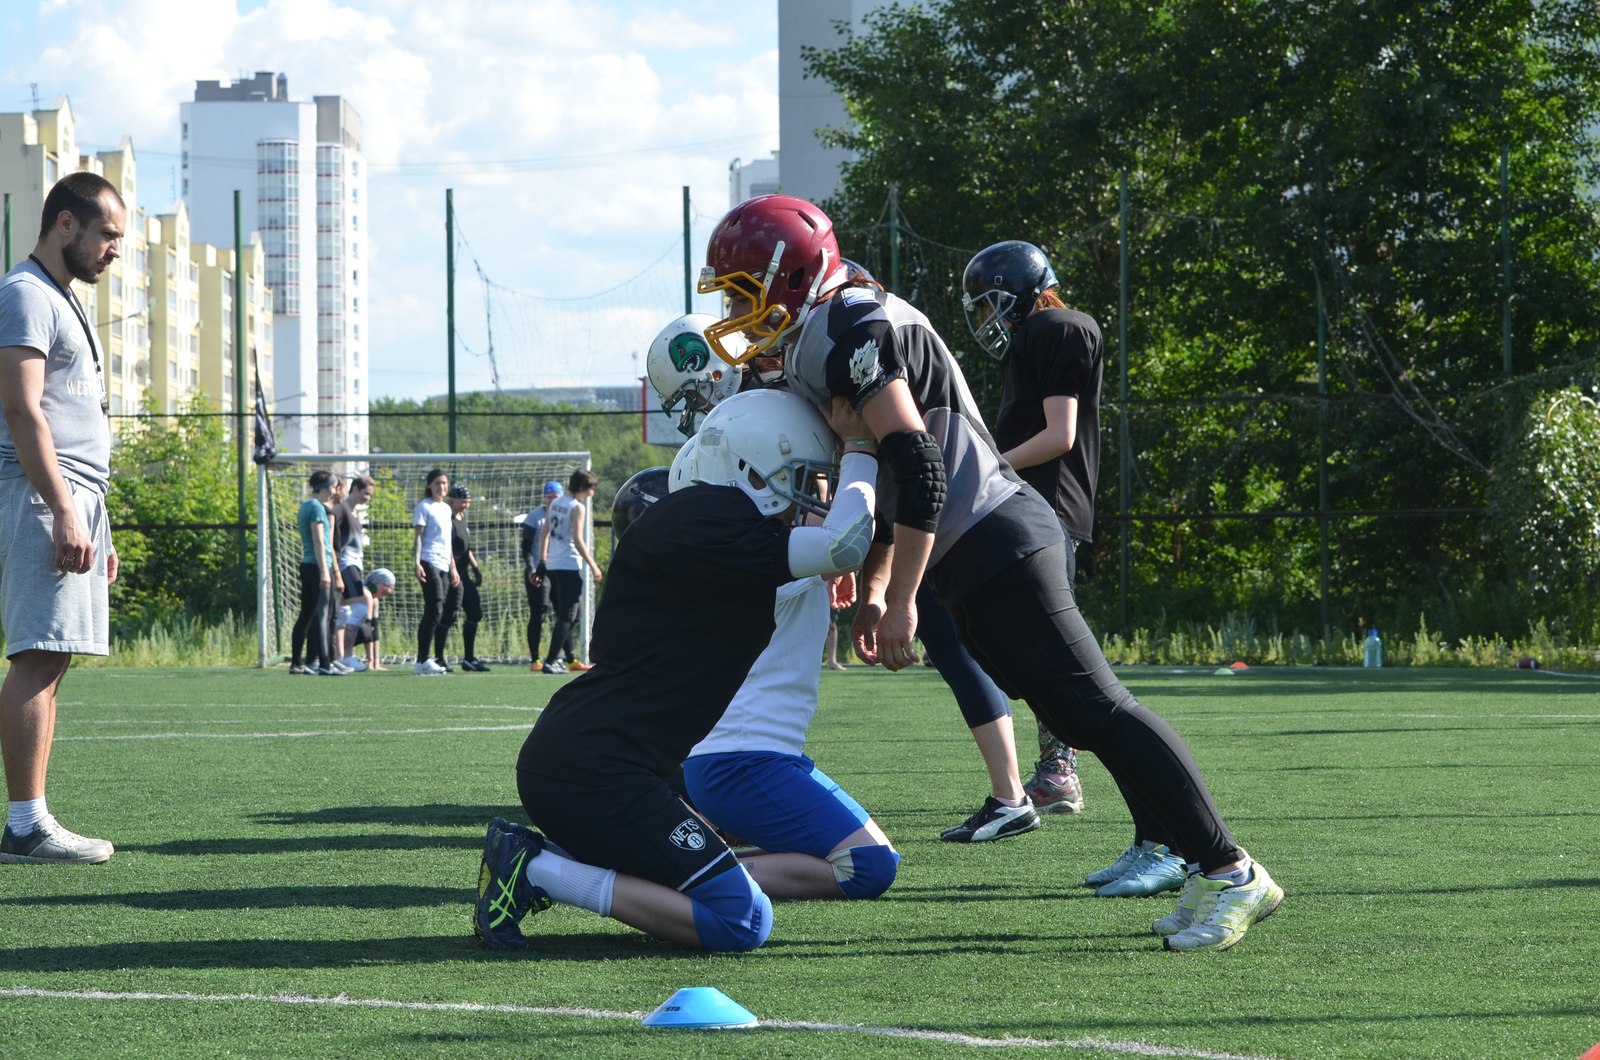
{"type": "Point", "coordinates": [731, 912]}
{"type": "Point", "coordinates": [864, 872]}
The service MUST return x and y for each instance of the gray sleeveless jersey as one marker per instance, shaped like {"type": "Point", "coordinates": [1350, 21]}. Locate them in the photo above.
{"type": "Point", "coordinates": [856, 343]}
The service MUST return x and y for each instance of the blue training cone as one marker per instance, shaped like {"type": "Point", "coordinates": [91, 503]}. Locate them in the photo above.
{"type": "Point", "coordinates": [700, 1008]}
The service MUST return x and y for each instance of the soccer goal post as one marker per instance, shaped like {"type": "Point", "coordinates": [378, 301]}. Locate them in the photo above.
{"type": "Point", "coordinates": [505, 487]}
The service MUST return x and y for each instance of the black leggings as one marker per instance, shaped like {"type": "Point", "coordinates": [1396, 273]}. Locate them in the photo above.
{"type": "Point", "coordinates": [980, 701]}
{"type": "Point", "coordinates": [435, 589]}
{"type": "Point", "coordinates": [311, 625]}
{"type": "Point", "coordinates": [1024, 627]}
{"type": "Point", "coordinates": [538, 604]}
{"type": "Point", "coordinates": [566, 592]}
{"type": "Point", "coordinates": [462, 599]}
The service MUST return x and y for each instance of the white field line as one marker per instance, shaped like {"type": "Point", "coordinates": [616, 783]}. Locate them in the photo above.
{"type": "Point", "coordinates": [342, 1001]}
{"type": "Point", "coordinates": [300, 735]}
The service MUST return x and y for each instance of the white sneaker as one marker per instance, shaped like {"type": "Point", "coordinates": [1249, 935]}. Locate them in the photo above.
{"type": "Point", "coordinates": [1226, 911]}
{"type": "Point", "coordinates": [428, 668]}
{"type": "Point", "coordinates": [51, 844]}
{"type": "Point", "coordinates": [338, 667]}
{"type": "Point", "coordinates": [1181, 917]}
{"type": "Point", "coordinates": [353, 664]}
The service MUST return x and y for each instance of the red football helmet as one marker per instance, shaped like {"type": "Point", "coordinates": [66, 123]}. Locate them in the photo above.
{"type": "Point", "coordinates": [779, 252]}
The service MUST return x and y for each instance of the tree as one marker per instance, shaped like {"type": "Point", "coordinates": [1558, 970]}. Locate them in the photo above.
{"type": "Point", "coordinates": [166, 473]}
{"type": "Point", "coordinates": [1270, 149]}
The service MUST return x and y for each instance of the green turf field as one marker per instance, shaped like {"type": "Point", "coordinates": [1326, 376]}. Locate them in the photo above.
{"type": "Point", "coordinates": [296, 858]}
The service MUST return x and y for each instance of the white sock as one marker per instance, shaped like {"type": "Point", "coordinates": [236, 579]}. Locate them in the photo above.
{"type": "Point", "coordinates": [572, 882]}
{"type": "Point", "coordinates": [1238, 877]}
{"type": "Point", "coordinates": [23, 817]}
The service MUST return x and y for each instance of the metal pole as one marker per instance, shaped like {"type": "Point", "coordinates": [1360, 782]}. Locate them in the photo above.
{"type": "Point", "coordinates": [450, 306]}
{"type": "Point", "coordinates": [688, 275]}
{"type": "Point", "coordinates": [1505, 253]}
{"type": "Point", "coordinates": [1124, 456]}
{"type": "Point", "coordinates": [240, 445]}
{"type": "Point", "coordinates": [263, 567]}
{"type": "Point", "coordinates": [1322, 446]}
{"type": "Point", "coordinates": [8, 231]}
{"type": "Point", "coordinates": [894, 238]}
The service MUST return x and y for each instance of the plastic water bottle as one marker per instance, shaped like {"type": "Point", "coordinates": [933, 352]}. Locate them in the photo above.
{"type": "Point", "coordinates": [1372, 651]}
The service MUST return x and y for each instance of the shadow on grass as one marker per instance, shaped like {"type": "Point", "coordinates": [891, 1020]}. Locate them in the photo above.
{"type": "Point", "coordinates": [304, 844]}
{"type": "Point", "coordinates": [323, 953]}
{"type": "Point", "coordinates": [437, 815]}
{"type": "Point", "coordinates": [362, 896]}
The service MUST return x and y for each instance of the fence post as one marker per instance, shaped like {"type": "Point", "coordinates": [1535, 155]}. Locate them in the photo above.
{"type": "Point", "coordinates": [1322, 444]}
{"type": "Point", "coordinates": [1124, 458]}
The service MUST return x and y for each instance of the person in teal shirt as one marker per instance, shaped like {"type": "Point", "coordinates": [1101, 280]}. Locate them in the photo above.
{"type": "Point", "coordinates": [316, 552]}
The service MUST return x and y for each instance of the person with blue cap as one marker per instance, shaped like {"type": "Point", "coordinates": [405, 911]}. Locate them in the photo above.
{"type": "Point", "coordinates": [534, 579]}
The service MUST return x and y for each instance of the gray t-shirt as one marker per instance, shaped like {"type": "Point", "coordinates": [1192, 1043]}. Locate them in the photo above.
{"type": "Point", "coordinates": [33, 313]}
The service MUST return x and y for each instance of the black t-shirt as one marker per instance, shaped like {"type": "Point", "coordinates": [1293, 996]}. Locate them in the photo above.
{"type": "Point", "coordinates": [1057, 353]}
{"type": "Point", "coordinates": [460, 545]}
{"type": "Point", "coordinates": [687, 609]}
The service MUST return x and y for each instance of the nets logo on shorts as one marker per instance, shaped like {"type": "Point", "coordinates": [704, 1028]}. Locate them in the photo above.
{"type": "Point", "coordinates": [689, 836]}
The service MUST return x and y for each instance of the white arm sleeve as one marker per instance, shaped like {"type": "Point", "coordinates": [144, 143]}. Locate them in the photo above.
{"type": "Point", "coordinates": [841, 542]}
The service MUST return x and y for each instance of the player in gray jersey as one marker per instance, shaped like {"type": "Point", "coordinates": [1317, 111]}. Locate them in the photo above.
{"type": "Point", "coordinates": [56, 558]}
{"type": "Point", "coordinates": [991, 548]}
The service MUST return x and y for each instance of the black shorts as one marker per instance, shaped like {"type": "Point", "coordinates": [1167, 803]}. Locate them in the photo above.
{"type": "Point", "coordinates": [352, 578]}
{"type": "Point", "coordinates": [633, 824]}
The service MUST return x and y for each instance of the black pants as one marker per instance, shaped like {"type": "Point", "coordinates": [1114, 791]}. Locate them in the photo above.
{"type": "Point", "coordinates": [980, 701]}
{"type": "Point", "coordinates": [311, 625]}
{"type": "Point", "coordinates": [566, 592]}
{"type": "Point", "coordinates": [435, 590]}
{"type": "Point", "coordinates": [467, 601]}
{"type": "Point", "coordinates": [1024, 628]}
{"type": "Point", "coordinates": [538, 604]}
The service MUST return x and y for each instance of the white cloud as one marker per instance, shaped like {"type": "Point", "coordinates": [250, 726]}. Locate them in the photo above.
{"type": "Point", "coordinates": [606, 109]}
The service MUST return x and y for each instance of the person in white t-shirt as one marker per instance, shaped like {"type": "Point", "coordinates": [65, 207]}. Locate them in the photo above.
{"type": "Point", "coordinates": [435, 567]}
{"type": "Point", "coordinates": [563, 552]}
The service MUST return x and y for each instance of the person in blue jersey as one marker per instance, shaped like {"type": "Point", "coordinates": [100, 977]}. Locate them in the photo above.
{"type": "Point", "coordinates": [608, 834]}
{"type": "Point", "coordinates": [992, 550]}
{"type": "Point", "coordinates": [311, 625]}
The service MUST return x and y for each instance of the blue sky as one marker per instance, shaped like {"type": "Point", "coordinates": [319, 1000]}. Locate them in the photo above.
{"type": "Point", "coordinates": [567, 130]}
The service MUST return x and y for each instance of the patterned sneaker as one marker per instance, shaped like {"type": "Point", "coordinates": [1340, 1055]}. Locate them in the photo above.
{"type": "Point", "coordinates": [555, 666]}
{"type": "Point", "coordinates": [1183, 916]}
{"type": "Point", "coordinates": [536, 667]}
{"type": "Point", "coordinates": [51, 844]}
{"type": "Point", "coordinates": [1050, 797]}
{"type": "Point", "coordinates": [504, 894]}
{"type": "Point", "coordinates": [995, 820]}
{"type": "Point", "coordinates": [1116, 869]}
{"type": "Point", "coordinates": [1156, 869]}
{"type": "Point", "coordinates": [1225, 911]}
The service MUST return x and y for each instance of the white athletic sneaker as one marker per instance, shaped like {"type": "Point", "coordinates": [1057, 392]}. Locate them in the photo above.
{"type": "Point", "coordinates": [1180, 918]}
{"type": "Point", "coordinates": [428, 668]}
{"type": "Point", "coordinates": [338, 667]}
{"type": "Point", "coordinates": [353, 664]}
{"type": "Point", "coordinates": [1226, 911]}
{"type": "Point", "coordinates": [51, 844]}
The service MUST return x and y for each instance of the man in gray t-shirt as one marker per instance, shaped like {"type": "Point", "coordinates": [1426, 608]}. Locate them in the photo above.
{"type": "Point", "coordinates": [56, 559]}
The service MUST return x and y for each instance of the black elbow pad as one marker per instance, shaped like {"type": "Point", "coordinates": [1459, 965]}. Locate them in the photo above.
{"type": "Point", "coordinates": [918, 469]}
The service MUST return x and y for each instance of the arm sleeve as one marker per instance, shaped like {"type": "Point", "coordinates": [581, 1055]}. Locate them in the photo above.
{"type": "Point", "coordinates": [841, 542]}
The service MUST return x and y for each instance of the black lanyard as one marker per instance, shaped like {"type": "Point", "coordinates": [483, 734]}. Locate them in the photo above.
{"type": "Point", "coordinates": [88, 333]}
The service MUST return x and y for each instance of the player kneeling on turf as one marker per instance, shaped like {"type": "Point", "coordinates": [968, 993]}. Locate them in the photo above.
{"type": "Point", "coordinates": [592, 774]}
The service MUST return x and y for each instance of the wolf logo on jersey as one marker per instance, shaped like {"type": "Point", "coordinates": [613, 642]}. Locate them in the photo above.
{"type": "Point", "coordinates": [864, 367]}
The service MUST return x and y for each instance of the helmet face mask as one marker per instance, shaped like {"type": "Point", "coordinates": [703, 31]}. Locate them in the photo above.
{"type": "Point", "coordinates": [684, 373]}
{"type": "Point", "coordinates": [999, 288]}
{"type": "Point", "coordinates": [777, 255]}
{"type": "Point", "coordinates": [772, 445]}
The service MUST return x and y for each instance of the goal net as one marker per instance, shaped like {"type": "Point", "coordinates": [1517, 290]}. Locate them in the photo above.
{"type": "Point", "coordinates": [505, 486]}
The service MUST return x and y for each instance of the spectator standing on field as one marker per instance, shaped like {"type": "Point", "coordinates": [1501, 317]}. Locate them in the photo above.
{"type": "Point", "coordinates": [310, 645]}
{"type": "Point", "coordinates": [434, 566]}
{"type": "Point", "coordinates": [464, 596]}
{"type": "Point", "coordinates": [56, 556]}
{"type": "Point", "coordinates": [561, 550]}
{"type": "Point", "coordinates": [534, 575]}
{"type": "Point", "coordinates": [349, 543]}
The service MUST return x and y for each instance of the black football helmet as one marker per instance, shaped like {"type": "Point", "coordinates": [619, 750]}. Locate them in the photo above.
{"type": "Point", "coordinates": [999, 288]}
{"type": "Point", "coordinates": [642, 490]}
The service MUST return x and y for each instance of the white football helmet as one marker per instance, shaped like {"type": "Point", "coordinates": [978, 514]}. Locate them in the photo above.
{"type": "Point", "coordinates": [684, 371]}
{"type": "Point", "coordinates": [681, 473]}
{"type": "Point", "coordinates": [773, 445]}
